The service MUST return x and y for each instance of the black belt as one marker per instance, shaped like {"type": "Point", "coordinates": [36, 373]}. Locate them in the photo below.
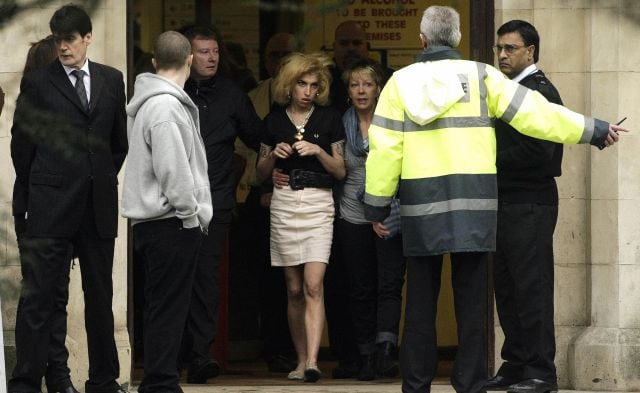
{"type": "Point", "coordinates": [299, 179]}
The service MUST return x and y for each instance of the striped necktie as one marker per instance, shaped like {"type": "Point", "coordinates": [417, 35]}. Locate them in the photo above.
{"type": "Point", "coordinates": [80, 90]}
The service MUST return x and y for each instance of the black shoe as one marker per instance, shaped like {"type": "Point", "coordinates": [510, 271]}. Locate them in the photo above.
{"type": "Point", "coordinates": [68, 389]}
{"type": "Point", "coordinates": [312, 374]}
{"type": "Point", "coordinates": [387, 360]}
{"type": "Point", "coordinates": [202, 369]}
{"type": "Point", "coordinates": [345, 370]}
{"type": "Point", "coordinates": [533, 386]}
{"type": "Point", "coordinates": [499, 383]}
{"type": "Point", "coordinates": [117, 389]}
{"type": "Point", "coordinates": [367, 368]}
{"type": "Point", "coordinates": [280, 364]}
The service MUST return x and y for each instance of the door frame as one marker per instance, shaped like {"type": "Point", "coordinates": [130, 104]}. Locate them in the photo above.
{"type": "Point", "coordinates": [482, 40]}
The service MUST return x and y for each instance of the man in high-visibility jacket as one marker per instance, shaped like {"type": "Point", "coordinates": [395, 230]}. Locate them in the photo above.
{"type": "Point", "coordinates": [433, 133]}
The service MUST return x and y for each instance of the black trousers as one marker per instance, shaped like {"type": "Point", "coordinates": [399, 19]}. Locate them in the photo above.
{"type": "Point", "coordinates": [418, 351]}
{"type": "Point", "coordinates": [40, 330]}
{"type": "Point", "coordinates": [342, 336]}
{"type": "Point", "coordinates": [169, 264]}
{"type": "Point", "coordinates": [376, 275]}
{"type": "Point", "coordinates": [203, 310]}
{"type": "Point", "coordinates": [523, 280]}
{"type": "Point", "coordinates": [57, 375]}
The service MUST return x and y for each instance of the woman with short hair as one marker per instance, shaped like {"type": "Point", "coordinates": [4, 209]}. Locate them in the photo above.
{"type": "Point", "coordinates": [372, 251]}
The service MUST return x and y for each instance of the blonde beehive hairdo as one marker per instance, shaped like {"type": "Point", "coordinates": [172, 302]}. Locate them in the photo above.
{"type": "Point", "coordinates": [294, 67]}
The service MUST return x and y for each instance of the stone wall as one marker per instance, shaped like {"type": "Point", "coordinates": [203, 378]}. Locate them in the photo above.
{"type": "Point", "coordinates": [109, 47]}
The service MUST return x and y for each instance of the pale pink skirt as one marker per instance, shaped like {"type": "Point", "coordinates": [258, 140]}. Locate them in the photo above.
{"type": "Point", "coordinates": [301, 226]}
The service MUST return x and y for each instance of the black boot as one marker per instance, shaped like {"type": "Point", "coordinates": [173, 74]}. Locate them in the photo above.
{"type": "Point", "coordinates": [345, 369]}
{"type": "Point", "coordinates": [387, 360]}
{"type": "Point", "coordinates": [202, 369]}
{"type": "Point", "coordinates": [367, 369]}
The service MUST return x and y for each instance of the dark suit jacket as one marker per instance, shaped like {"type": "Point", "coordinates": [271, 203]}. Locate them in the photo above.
{"type": "Point", "coordinates": [62, 154]}
{"type": "Point", "coordinates": [527, 166]}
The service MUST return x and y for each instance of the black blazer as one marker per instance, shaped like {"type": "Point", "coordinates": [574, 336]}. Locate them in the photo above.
{"type": "Point", "coordinates": [62, 154]}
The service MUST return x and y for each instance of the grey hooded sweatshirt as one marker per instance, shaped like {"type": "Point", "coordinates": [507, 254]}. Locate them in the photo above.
{"type": "Point", "coordinates": [166, 170]}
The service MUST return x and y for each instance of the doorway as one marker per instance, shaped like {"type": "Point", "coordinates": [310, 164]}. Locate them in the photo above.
{"type": "Point", "coordinates": [393, 43]}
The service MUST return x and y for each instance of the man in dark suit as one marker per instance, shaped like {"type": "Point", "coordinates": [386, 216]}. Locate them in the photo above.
{"type": "Point", "coordinates": [68, 144]}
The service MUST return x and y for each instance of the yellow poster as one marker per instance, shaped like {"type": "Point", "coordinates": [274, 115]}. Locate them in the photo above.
{"type": "Point", "coordinates": [393, 26]}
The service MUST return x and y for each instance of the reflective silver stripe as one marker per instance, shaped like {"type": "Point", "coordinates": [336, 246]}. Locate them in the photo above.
{"type": "Point", "coordinates": [464, 81]}
{"type": "Point", "coordinates": [515, 104]}
{"type": "Point", "coordinates": [484, 110]}
{"type": "Point", "coordinates": [443, 188]}
{"type": "Point", "coordinates": [448, 122]}
{"type": "Point", "coordinates": [448, 206]}
{"type": "Point", "coordinates": [389, 124]}
{"type": "Point", "coordinates": [483, 120]}
{"type": "Point", "coordinates": [377, 201]}
{"type": "Point", "coordinates": [589, 129]}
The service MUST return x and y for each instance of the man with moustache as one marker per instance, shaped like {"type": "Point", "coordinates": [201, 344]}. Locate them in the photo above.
{"type": "Point", "coordinates": [527, 215]}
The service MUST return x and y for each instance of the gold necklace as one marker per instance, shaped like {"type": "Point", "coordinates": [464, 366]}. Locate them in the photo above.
{"type": "Point", "coordinates": [300, 128]}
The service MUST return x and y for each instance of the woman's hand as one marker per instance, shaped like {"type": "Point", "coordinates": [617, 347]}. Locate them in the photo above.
{"type": "Point", "coordinates": [380, 229]}
{"type": "Point", "coordinates": [282, 150]}
{"type": "Point", "coordinates": [279, 178]}
{"type": "Point", "coordinates": [305, 148]}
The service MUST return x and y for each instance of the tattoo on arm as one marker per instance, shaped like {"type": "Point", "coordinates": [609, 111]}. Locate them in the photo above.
{"type": "Point", "coordinates": [265, 150]}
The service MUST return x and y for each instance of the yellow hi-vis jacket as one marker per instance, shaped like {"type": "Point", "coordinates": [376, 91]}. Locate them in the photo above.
{"type": "Point", "coordinates": [433, 133]}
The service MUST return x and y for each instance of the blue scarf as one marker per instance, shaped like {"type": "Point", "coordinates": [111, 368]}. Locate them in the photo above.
{"type": "Point", "coordinates": [358, 146]}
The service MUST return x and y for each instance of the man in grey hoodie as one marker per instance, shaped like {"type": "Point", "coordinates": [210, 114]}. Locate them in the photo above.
{"type": "Point", "coordinates": [166, 195]}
